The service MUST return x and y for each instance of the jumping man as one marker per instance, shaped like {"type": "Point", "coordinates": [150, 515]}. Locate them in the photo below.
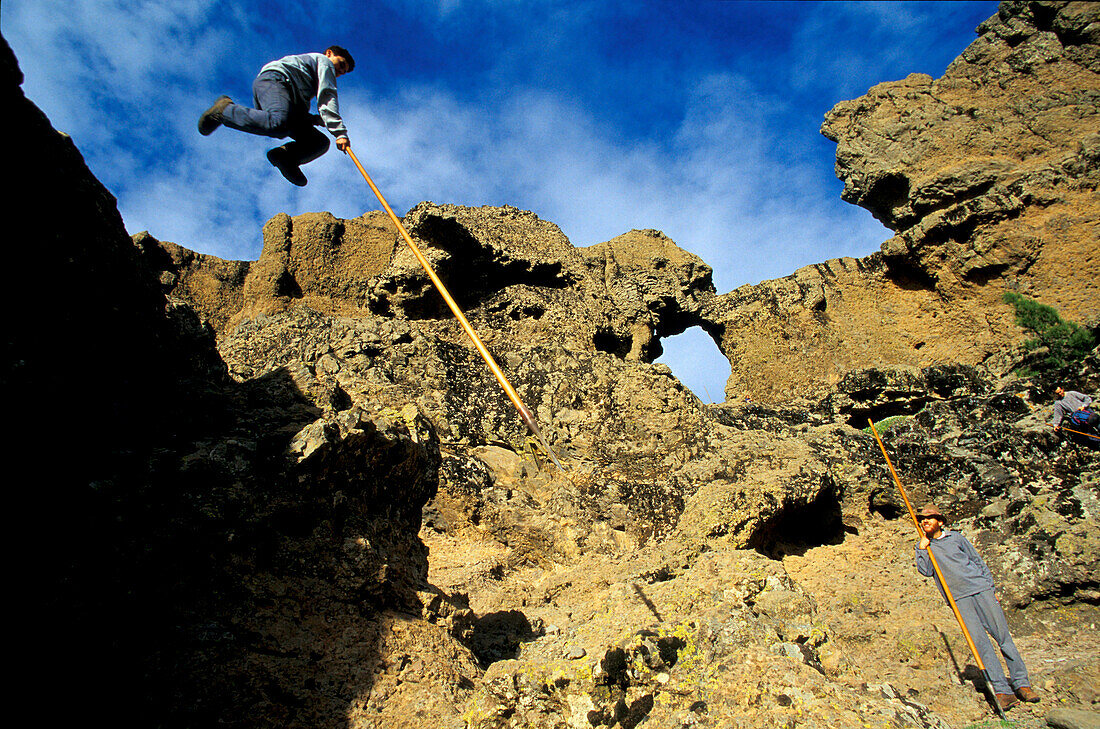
{"type": "Point", "coordinates": [283, 92]}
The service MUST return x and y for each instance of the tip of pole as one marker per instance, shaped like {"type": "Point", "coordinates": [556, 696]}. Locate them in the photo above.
{"type": "Point", "coordinates": [529, 420]}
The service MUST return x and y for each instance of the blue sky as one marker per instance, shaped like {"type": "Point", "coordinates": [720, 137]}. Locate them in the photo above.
{"type": "Point", "coordinates": [697, 118]}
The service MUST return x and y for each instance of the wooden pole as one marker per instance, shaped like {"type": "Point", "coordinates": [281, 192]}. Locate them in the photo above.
{"type": "Point", "coordinates": [524, 413]}
{"type": "Point", "coordinates": [1069, 430]}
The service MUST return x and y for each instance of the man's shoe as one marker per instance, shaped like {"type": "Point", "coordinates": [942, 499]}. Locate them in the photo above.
{"type": "Point", "coordinates": [291, 171]}
{"type": "Point", "coordinates": [211, 119]}
{"type": "Point", "coordinates": [1026, 693]}
{"type": "Point", "coordinates": [1006, 701]}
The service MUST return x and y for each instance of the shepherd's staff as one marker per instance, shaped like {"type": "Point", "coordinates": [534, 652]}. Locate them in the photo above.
{"type": "Point", "coordinates": [1068, 430]}
{"type": "Point", "coordinates": [524, 413]}
{"type": "Point", "coordinates": [939, 575]}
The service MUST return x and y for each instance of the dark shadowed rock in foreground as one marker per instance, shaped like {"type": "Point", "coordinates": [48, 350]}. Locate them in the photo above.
{"type": "Point", "coordinates": [194, 551]}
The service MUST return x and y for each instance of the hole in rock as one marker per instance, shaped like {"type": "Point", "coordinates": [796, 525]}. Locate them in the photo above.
{"type": "Point", "coordinates": [698, 363]}
{"type": "Point", "coordinates": [798, 528]}
{"type": "Point", "coordinates": [605, 340]}
{"type": "Point", "coordinates": [670, 647]}
{"type": "Point", "coordinates": [888, 192]}
{"type": "Point", "coordinates": [858, 416]}
{"type": "Point", "coordinates": [910, 277]}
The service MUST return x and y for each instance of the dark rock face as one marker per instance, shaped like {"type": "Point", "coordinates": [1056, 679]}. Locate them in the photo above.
{"type": "Point", "coordinates": [877, 394]}
{"type": "Point", "coordinates": [90, 347]}
{"type": "Point", "coordinates": [205, 552]}
{"type": "Point", "coordinates": [304, 548]}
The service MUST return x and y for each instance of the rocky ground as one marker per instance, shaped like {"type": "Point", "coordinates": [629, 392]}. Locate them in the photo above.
{"type": "Point", "coordinates": [889, 620]}
{"type": "Point", "coordinates": [847, 629]}
{"type": "Point", "coordinates": [287, 492]}
{"type": "Point", "coordinates": [884, 626]}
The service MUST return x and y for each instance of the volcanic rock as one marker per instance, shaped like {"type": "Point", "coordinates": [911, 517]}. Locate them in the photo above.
{"type": "Point", "coordinates": [335, 518]}
{"type": "Point", "coordinates": [988, 177]}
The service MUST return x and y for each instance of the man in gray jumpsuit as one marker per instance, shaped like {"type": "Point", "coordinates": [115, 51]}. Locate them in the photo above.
{"type": "Point", "coordinates": [283, 92]}
{"type": "Point", "coordinates": [1068, 402]}
{"type": "Point", "coordinates": [971, 585]}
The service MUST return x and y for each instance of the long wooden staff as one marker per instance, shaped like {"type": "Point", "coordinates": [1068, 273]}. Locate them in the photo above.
{"type": "Point", "coordinates": [939, 574]}
{"type": "Point", "coordinates": [1062, 427]}
{"type": "Point", "coordinates": [524, 413]}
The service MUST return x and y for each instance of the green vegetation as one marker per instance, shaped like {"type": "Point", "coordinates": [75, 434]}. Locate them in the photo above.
{"type": "Point", "coordinates": [886, 423]}
{"type": "Point", "coordinates": [1065, 342]}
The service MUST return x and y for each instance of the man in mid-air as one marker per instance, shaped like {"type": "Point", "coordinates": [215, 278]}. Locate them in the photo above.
{"type": "Point", "coordinates": [283, 92]}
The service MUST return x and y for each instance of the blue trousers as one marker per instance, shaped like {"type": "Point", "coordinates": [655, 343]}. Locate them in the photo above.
{"type": "Point", "coordinates": [277, 115]}
{"type": "Point", "coordinates": [984, 617]}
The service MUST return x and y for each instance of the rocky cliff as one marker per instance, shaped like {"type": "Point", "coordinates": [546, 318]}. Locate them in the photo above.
{"type": "Point", "coordinates": [304, 502]}
{"type": "Point", "coordinates": [988, 176]}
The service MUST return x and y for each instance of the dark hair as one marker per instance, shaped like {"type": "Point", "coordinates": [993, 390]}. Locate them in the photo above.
{"type": "Point", "coordinates": [344, 53]}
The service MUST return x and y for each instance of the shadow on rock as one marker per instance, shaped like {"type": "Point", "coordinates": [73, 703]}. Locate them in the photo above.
{"type": "Point", "coordinates": [497, 636]}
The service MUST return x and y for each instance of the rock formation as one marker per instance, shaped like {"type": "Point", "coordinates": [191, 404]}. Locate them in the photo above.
{"type": "Point", "coordinates": [987, 175]}
{"type": "Point", "coordinates": [303, 501]}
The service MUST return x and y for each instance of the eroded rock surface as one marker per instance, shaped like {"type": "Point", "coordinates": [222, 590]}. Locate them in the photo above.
{"type": "Point", "coordinates": [987, 175]}
{"type": "Point", "coordinates": [336, 518]}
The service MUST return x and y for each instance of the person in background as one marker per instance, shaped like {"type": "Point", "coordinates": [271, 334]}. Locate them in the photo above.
{"type": "Point", "coordinates": [1067, 403]}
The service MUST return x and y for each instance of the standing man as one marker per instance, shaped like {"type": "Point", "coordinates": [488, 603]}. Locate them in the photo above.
{"type": "Point", "coordinates": [971, 585]}
{"type": "Point", "coordinates": [282, 93]}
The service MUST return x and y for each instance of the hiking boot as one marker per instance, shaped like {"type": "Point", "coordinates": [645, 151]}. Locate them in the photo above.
{"type": "Point", "coordinates": [211, 119]}
{"type": "Point", "coordinates": [1006, 701]}
{"type": "Point", "coordinates": [1026, 693]}
{"type": "Point", "coordinates": [290, 169]}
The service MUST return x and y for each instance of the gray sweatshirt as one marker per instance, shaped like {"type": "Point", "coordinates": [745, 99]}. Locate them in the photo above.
{"type": "Point", "coordinates": [313, 75]}
{"type": "Point", "coordinates": [1072, 401]}
{"type": "Point", "coordinates": [962, 567]}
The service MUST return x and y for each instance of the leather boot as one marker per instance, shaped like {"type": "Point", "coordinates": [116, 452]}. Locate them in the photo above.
{"type": "Point", "coordinates": [1026, 693]}
{"type": "Point", "coordinates": [211, 119]}
{"type": "Point", "coordinates": [279, 159]}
